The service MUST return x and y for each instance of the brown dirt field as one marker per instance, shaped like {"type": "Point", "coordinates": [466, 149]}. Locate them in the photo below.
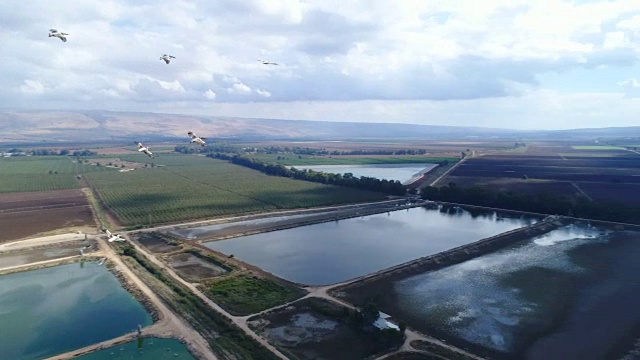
{"type": "Point", "coordinates": [156, 243]}
{"type": "Point", "coordinates": [27, 214]}
{"type": "Point", "coordinates": [193, 268]}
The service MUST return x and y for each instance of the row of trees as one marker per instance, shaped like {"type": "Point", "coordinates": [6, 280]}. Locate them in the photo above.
{"type": "Point", "coordinates": [232, 149]}
{"type": "Point", "coordinates": [54, 152]}
{"type": "Point", "coordinates": [347, 179]}
{"type": "Point", "coordinates": [539, 203]}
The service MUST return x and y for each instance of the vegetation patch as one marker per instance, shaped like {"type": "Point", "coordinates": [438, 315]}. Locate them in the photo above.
{"type": "Point", "coordinates": [185, 187]}
{"type": "Point", "coordinates": [244, 294]}
{"type": "Point", "coordinates": [224, 337]}
{"type": "Point", "coordinates": [42, 173]}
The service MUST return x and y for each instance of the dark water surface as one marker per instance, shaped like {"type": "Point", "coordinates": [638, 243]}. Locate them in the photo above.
{"type": "Point", "coordinates": [571, 294]}
{"type": "Point", "coordinates": [332, 252]}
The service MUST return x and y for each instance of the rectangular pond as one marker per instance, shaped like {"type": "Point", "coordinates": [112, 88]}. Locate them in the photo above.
{"type": "Point", "coordinates": [570, 294]}
{"type": "Point", "coordinates": [336, 251]}
{"type": "Point", "coordinates": [54, 310]}
{"type": "Point", "coordinates": [405, 173]}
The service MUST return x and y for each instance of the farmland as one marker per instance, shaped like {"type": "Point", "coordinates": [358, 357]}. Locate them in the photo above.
{"type": "Point", "coordinates": [26, 174]}
{"type": "Point", "coordinates": [603, 174]}
{"type": "Point", "coordinates": [183, 187]}
{"type": "Point", "coordinates": [26, 214]}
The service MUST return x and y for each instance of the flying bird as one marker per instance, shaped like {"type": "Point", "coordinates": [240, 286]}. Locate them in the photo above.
{"type": "Point", "coordinates": [145, 150]}
{"type": "Point", "coordinates": [60, 35]}
{"type": "Point", "coordinates": [167, 58]}
{"type": "Point", "coordinates": [113, 237]}
{"type": "Point", "coordinates": [267, 62]}
{"type": "Point", "coordinates": [196, 139]}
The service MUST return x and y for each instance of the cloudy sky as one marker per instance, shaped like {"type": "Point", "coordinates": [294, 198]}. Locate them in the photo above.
{"type": "Point", "coordinates": [517, 64]}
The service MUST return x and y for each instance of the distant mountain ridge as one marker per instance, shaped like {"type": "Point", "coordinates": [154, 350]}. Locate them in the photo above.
{"type": "Point", "coordinates": [98, 125]}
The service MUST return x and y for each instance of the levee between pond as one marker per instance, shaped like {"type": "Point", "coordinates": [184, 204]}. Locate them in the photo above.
{"type": "Point", "coordinates": [456, 255]}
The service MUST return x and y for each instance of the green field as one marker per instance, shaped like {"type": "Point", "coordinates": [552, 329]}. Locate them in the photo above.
{"type": "Point", "coordinates": [42, 173]}
{"type": "Point", "coordinates": [244, 295]}
{"type": "Point", "coordinates": [292, 159]}
{"type": "Point", "coordinates": [185, 187]}
{"type": "Point", "coordinates": [597, 147]}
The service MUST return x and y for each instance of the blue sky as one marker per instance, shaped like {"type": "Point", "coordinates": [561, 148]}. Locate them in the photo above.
{"type": "Point", "coordinates": [519, 64]}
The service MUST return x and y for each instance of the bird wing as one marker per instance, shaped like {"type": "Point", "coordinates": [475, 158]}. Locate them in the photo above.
{"type": "Point", "coordinates": [53, 30]}
{"type": "Point", "coordinates": [64, 34]}
{"type": "Point", "coordinates": [191, 134]}
{"type": "Point", "coordinates": [64, 39]}
{"type": "Point", "coordinates": [202, 138]}
{"type": "Point", "coordinates": [171, 56]}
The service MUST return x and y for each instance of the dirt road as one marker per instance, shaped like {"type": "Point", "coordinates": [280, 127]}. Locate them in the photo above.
{"type": "Point", "coordinates": [238, 321]}
{"type": "Point", "coordinates": [40, 241]}
{"type": "Point", "coordinates": [169, 325]}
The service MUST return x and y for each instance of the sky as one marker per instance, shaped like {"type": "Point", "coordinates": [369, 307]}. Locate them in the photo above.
{"type": "Point", "coordinates": [545, 64]}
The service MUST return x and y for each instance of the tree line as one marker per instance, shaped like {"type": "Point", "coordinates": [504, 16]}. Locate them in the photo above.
{"type": "Point", "coordinates": [226, 148]}
{"type": "Point", "coordinates": [365, 183]}
{"type": "Point", "coordinates": [540, 203]}
{"type": "Point", "coordinates": [53, 152]}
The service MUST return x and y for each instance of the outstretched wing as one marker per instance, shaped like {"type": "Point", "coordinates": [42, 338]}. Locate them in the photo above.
{"type": "Point", "coordinates": [108, 233]}
{"type": "Point", "coordinates": [203, 138]}
{"type": "Point", "coordinates": [53, 30]}
{"type": "Point", "coordinates": [192, 135]}
{"type": "Point", "coordinates": [64, 39]}
{"type": "Point", "coordinates": [140, 146]}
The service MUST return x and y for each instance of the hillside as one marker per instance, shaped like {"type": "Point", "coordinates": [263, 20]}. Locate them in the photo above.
{"type": "Point", "coordinates": [55, 126]}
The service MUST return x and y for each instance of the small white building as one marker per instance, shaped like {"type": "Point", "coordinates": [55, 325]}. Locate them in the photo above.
{"type": "Point", "coordinates": [383, 323]}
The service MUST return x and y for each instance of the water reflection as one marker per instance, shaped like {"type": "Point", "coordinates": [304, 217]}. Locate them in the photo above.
{"type": "Point", "coordinates": [400, 172]}
{"type": "Point", "coordinates": [567, 294]}
{"type": "Point", "coordinates": [337, 251]}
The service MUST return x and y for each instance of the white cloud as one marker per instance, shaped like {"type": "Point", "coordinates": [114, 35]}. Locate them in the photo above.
{"type": "Point", "coordinates": [209, 94]}
{"type": "Point", "coordinates": [263, 93]}
{"type": "Point", "coordinates": [32, 87]}
{"type": "Point", "coordinates": [328, 51]}
{"type": "Point", "coordinates": [239, 88]}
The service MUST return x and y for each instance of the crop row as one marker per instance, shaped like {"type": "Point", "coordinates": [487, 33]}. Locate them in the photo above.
{"type": "Point", "coordinates": [44, 165]}
{"type": "Point", "coordinates": [36, 182]}
{"type": "Point", "coordinates": [190, 187]}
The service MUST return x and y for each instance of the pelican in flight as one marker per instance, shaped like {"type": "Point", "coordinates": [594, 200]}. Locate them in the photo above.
{"type": "Point", "coordinates": [60, 35]}
{"type": "Point", "coordinates": [113, 237]}
{"type": "Point", "coordinates": [267, 62]}
{"type": "Point", "coordinates": [196, 139]}
{"type": "Point", "coordinates": [167, 58]}
{"type": "Point", "coordinates": [145, 150]}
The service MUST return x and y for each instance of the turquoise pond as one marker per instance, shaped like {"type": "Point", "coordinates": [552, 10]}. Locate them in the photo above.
{"type": "Point", "coordinates": [144, 349]}
{"type": "Point", "coordinates": [54, 310]}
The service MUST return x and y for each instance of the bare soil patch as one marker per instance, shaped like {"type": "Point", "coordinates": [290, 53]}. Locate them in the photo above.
{"type": "Point", "coordinates": [26, 214]}
{"type": "Point", "coordinates": [23, 257]}
{"type": "Point", "coordinates": [313, 329]}
{"type": "Point", "coordinates": [157, 243]}
{"type": "Point", "coordinates": [193, 268]}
